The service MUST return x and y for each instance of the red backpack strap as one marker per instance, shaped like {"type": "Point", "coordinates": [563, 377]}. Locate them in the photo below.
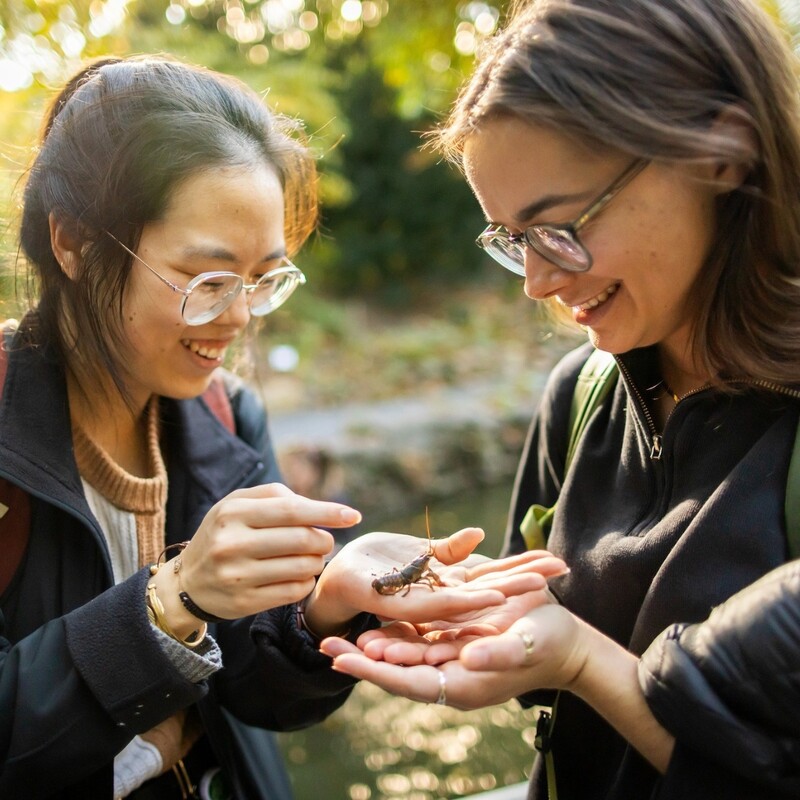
{"type": "Point", "coordinates": [4, 330]}
{"type": "Point", "coordinates": [15, 504]}
{"type": "Point", "coordinates": [15, 527]}
{"type": "Point", "coordinates": [216, 398]}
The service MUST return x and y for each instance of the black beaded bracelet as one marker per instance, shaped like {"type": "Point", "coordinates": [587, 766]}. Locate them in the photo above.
{"type": "Point", "coordinates": [195, 609]}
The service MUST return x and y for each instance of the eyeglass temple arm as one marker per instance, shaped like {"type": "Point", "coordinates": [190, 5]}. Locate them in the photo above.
{"type": "Point", "coordinates": [620, 183]}
{"type": "Point", "coordinates": [184, 292]}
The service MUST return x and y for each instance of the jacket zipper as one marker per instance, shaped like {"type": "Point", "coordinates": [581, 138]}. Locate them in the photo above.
{"type": "Point", "coordinates": [655, 437]}
{"type": "Point", "coordinates": [656, 440]}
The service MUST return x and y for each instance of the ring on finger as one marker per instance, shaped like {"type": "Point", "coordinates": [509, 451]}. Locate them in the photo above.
{"type": "Point", "coordinates": [441, 700]}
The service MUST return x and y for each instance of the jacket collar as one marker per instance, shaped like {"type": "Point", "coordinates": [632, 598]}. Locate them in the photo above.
{"type": "Point", "coordinates": [205, 461]}
{"type": "Point", "coordinates": [35, 431]}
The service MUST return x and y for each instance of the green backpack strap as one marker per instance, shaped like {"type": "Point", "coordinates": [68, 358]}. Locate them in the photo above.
{"type": "Point", "coordinates": [792, 507]}
{"type": "Point", "coordinates": [595, 380]}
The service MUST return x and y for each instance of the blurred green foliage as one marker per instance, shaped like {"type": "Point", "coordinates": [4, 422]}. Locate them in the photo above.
{"type": "Point", "coordinates": [368, 78]}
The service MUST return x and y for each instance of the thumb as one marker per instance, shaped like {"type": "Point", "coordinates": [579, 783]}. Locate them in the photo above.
{"type": "Point", "coordinates": [458, 545]}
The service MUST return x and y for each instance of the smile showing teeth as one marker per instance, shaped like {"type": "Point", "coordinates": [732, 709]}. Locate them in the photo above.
{"type": "Point", "coordinates": [211, 353]}
{"type": "Point", "coordinates": [598, 299]}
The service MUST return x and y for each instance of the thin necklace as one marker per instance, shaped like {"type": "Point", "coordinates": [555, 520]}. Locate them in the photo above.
{"type": "Point", "coordinates": [667, 390]}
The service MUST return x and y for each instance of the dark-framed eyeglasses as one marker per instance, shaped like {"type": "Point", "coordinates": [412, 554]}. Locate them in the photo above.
{"type": "Point", "coordinates": [209, 294]}
{"type": "Point", "coordinates": [558, 243]}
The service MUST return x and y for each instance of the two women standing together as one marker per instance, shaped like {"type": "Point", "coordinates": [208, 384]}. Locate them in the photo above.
{"type": "Point", "coordinates": [638, 164]}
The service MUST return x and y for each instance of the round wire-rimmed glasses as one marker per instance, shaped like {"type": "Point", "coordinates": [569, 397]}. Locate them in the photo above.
{"type": "Point", "coordinates": [209, 294]}
{"type": "Point", "coordinates": [558, 243]}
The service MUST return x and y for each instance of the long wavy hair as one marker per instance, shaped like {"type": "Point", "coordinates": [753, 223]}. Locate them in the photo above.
{"type": "Point", "coordinates": [650, 77]}
{"type": "Point", "coordinates": [116, 141]}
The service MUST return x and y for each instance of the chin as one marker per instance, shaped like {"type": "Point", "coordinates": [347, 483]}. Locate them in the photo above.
{"type": "Point", "coordinates": [186, 391]}
{"type": "Point", "coordinates": [609, 343]}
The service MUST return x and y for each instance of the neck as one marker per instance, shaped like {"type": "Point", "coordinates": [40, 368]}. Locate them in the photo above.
{"type": "Point", "coordinates": [680, 373]}
{"type": "Point", "coordinates": [111, 423]}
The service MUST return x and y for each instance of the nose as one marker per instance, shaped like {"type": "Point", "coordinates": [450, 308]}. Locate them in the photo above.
{"type": "Point", "coordinates": [237, 314]}
{"type": "Point", "coordinates": [543, 279]}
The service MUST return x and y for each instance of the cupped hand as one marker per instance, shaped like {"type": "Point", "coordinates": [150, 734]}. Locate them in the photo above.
{"type": "Point", "coordinates": [549, 643]}
{"type": "Point", "coordinates": [256, 549]}
{"type": "Point", "coordinates": [441, 641]}
{"type": "Point", "coordinates": [421, 682]}
{"type": "Point", "coordinates": [469, 583]}
{"type": "Point", "coordinates": [546, 649]}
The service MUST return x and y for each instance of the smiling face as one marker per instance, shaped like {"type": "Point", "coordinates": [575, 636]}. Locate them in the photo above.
{"type": "Point", "coordinates": [648, 244]}
{"type": "Point", "coordinates": [227, 219]}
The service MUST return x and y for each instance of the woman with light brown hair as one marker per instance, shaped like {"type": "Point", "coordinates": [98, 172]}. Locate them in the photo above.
{"type": "Point", "coordinates": [638, 162]}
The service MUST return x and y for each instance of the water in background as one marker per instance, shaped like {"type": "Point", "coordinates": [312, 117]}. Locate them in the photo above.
{"type": "Point", "coordinates": [379, 747]}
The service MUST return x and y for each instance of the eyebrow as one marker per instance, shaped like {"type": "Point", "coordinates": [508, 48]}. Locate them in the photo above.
{"type": "Point", "coordinates": [548, 201]}
{"type": "Point", "coordinates": [221, 254]}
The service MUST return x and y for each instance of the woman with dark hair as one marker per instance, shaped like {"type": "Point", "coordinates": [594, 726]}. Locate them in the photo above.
{"type": "Point", "coordinates": [639, 163]}
{"type": "Point", "coordinates": [146, 544]}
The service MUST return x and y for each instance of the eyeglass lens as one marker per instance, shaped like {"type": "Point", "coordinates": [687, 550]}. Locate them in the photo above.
{"type": "Point", "coordinates": [507, 252]}
{"type": "Point", "coordinates": [559, 245]}
{"type": "Point", "coordinates": [271, 292]}
{"type": "Point", "coordinates": [212, 295]}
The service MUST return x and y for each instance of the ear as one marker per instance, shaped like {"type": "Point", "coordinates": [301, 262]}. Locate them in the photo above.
{"type": "Point", "coordinates": [735, 132]}
{"type": "Point", "coordinates": [66, 245]}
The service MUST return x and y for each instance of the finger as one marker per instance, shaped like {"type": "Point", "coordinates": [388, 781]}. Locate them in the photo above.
{"type": "Point", "coordinates": [419, 683]}
{"type": "Point", "coordinates": [466, 632]}
{"type": "Point", "coordinates": [511, 584]}
{"type": "Point", "coordinates": [539, 561]}
{"type": "Point", "coordinates": [396, 630]}
{"type": "Point", "coordinates": [399, 651]}
{"type": "Point", "coordinates": [275, 508]}
{"type": "Point", "coordinates": [458, 545]}
{"type": "Point", "coordinates": [274, 543]}
{"type": "Point", "coordinates": [423, 605]}
{"type": "Point", "coordinates": [443, 651]}
{"type": "Point", "coordinates": [335, 646]}
{"type": "Point", "coordinates": [263, 490]}
{"type": "Point", "coordinates": [510, 650]}
{"type": "Point", "coordinates": [230, 566]}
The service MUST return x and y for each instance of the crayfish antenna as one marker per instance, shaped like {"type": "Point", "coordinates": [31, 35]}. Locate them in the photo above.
{"type": "Point", "coordinates": [428, 531]}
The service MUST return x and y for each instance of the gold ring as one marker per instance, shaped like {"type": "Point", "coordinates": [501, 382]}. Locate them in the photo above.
{"type": "Point", "coordinates": [441, 700]}
{"type": "Point", "coordinates": [527, 641]}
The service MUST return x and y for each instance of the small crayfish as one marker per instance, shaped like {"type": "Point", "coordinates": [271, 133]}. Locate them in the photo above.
{"type": "Point", "coordinates": [416, 571]}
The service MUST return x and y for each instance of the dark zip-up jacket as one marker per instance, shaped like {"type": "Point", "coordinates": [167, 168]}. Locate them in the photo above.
{"type": "Point", "coordinates": [729, 690]}
{"type": "Point", "coordinates": [81, 671]}
{"type": "Point", "coordinates": [658, 527]}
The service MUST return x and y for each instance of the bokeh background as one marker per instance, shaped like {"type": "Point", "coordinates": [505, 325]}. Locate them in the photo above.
{"type": "Point", "coordinates": [405, 373]}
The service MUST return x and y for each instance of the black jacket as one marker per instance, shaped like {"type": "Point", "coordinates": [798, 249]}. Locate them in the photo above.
{"type": "Point", "coordinates": [80, 669]}
{"type": "Point", "coordinates": [729, 690]}
{"type": "Point", "coordinates": [650, 541]}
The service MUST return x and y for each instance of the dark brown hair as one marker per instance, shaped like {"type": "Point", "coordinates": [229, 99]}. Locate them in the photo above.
{"type": "Point", "coordinates": [649, 77]}
{"type": "Point", "coordinates": [116, 142]}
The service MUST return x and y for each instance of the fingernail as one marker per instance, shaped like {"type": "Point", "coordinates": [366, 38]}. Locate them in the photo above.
{"type": "Point", "coordinates": [350, 516]}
